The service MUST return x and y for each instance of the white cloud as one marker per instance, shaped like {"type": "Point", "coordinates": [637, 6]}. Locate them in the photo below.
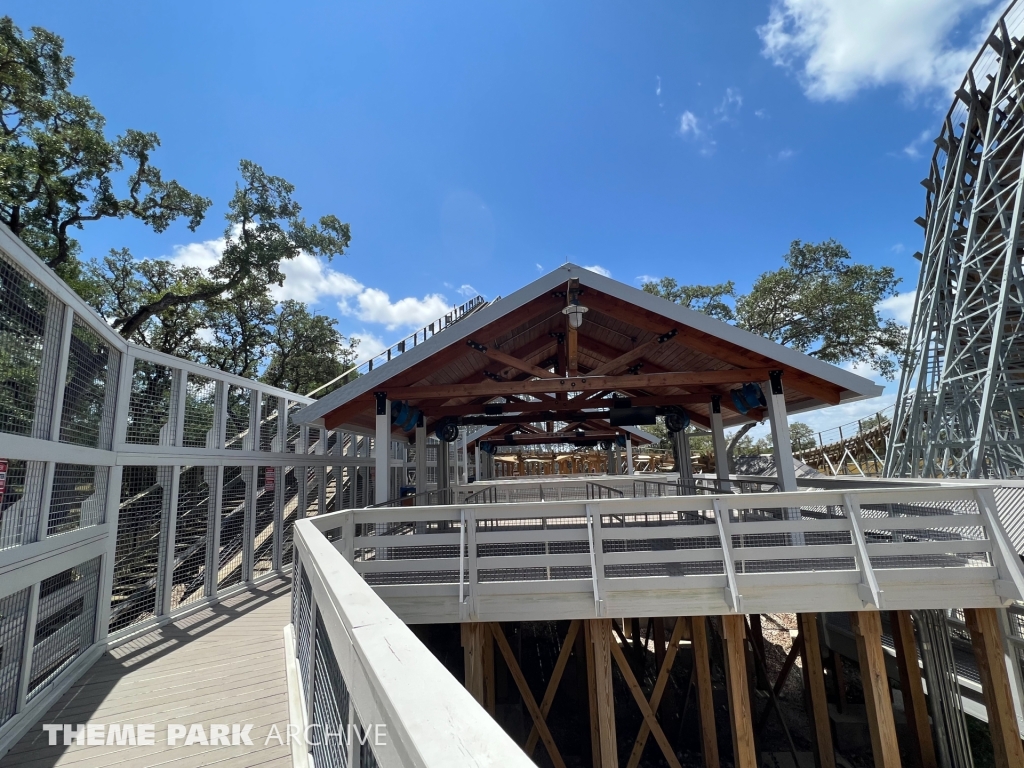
{"type": "Point", "coordinates": [203, 255]}
{"type": "Point", "coordinates": [657, 91]}
{"type": "Point", "coordinates": [899, 307]}
{"type": "Point", "coordinates": [760, 113]}
{"type": "Point", "coordinates": [898, 248]}
{"type": "Point", "coordinates": [468, 291]}
{"type": "Point", "coordinates": [646, 279]}
{"type": "Point", "coordinates": [913, 149]}
{"type": "Point", "coordinates": [373, 305]}
{"type": "Point", "coordinates": [688, 124]}
{"type": "Point", "coordinates": [600, 270]}
{"type": "Point", "coordinates": [539, 267]}
{"type": "Point", "coordinates": [369, 344]}
{"type": "Point", "coordinates": [731, 104]}
{"type": "Point", "coordinates": [785, 154]}
{"type": "Point", "coordinates": [310, 280]}
{"type": "Point", "coordinates": [842, 46]}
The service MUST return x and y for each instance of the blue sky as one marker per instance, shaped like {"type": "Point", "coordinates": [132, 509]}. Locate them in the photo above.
{"type": "Point", "coordinates": [473, 145]}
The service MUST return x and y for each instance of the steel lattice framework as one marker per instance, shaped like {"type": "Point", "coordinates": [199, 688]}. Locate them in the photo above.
{"type": "Point", "coordinates": [960, 411]}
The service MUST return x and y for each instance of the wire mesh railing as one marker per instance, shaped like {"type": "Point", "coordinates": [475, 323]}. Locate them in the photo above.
{"type": "Point", "coordinates": [147, 485]}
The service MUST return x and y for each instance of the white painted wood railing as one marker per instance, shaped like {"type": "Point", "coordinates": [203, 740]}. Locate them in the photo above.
{"type": "Point", "coordinates": [890, 548]}
{"type": "Point", "coordinates": [366, 667]}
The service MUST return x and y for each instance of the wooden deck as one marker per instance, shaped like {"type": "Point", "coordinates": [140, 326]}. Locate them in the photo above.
{"type": "Point", "coordinates": [224, 664]}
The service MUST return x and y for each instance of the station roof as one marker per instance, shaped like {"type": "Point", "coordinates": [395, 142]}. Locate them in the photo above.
{"type": "Point", "coordinates": [519, 352]}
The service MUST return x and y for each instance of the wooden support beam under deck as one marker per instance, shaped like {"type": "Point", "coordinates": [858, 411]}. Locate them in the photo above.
{"type": "Point", "coordinates": [705, 693]}
{"type": "Point", "coordinates": [814, 671]}
{"type": "Point", "coordinates": [911, 687]}
{"type": "Point", "coordinates": [867, 630]}
{"type": "Point", "coordinates": [987, 640]}
{"type": "Point", "coordinates": [602, 707]}
{"type": "Point", "coordinates": [478, 651]}
{"type": "Point", "coordinates": [740, 713]}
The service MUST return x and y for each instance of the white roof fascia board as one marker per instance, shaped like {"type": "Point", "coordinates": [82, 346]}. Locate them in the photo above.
{"type": "Point", "coordinates": [853, 387]}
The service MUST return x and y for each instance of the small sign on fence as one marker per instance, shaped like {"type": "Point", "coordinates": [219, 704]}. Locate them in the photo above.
{"type": "Point", "coordinates": [269, 479]}
{"type": "Point", "coordinates": [3, 476]}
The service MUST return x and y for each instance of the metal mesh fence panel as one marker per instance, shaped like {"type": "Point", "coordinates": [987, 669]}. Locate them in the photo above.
{"type": "Point", "coordinates": [13, 617]}
{"type": "Point", "coordinates": [65, 623]}
{"type": "Point", "coordinates": [141, 524]}
{"type": "Point", "coordinates": [78, 498]}
{"type": "Point", "coordinates": [268, 422]}
{"type": "Point", "coordinates": [294, 430]}
{"type": "Point", "coordinates": [19, 504]}
{"type": "Point", "coordinates": [303, 627]}
{"type": "Point", "coordinates": [330, 705]}
{"type": "Point", "coordinates": [236, 434]}
{"type": "Point", "coordinates": [149, 406]}
{"type": "Point", "coordinates": [88, 410]}
{"type": "Point", "coordinates": [191, 530]}
{"type": "Point", "coordinates": [290, 513]}
{"type": "Point", "coordinates": [266, 504]}
{"type": "Point", "coordinates": [233, 513]}
{"type": "Point", "coordinates": [200, 411]}
{"type": "Point", "coordinates": [314, 479]}
{"type": "Point", "coordinates": [30, 326]}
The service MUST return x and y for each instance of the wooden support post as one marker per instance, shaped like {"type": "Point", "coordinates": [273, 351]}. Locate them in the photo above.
{"type": "Point", "coordinates": [814, 674]}
{"type": "Point", "coordinates": [913, 691]}
{"type": "Point", "coordinates": [705, 701]}
{"type": "Point", "coordinates": [840, 678]}
{"type": "Point", "coordinates": [603, 703]}
{"type": "Point", "coordinates": [867, 629]}
{"type": "Point", "coordinates": [659, 640]}
{"type": "Point", "coordinates": [478, 649]}
{"type": "Point", "coordinates": [740, 714]}
{"type": "Point", "coordinates": [595, 729]}
{"type": "Point", "coordinates": [987, 640]}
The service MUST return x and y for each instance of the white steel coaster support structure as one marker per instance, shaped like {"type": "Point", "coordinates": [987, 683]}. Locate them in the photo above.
{"type": "Point", "coordinates": [960, 412]}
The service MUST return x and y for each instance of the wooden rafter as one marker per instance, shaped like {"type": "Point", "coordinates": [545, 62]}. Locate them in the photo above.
{"type": "Point", "coordinates": [580, 384]}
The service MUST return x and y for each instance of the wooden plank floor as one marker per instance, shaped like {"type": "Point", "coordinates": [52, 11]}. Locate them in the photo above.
{"type": "Point", "coordinates": [224, 664]}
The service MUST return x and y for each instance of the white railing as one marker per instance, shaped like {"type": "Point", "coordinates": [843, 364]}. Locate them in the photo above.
{"type": "Point", "coordinates": [911, 548]}
{"type": "Point", "coordinates": [139, 486]}
{"type": "Point", "coordinates": [361, 665]}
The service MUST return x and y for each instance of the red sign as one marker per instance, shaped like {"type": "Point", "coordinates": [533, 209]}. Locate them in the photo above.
{"type": "Point", "coordinates": [269, 478]}
{"type": "Point", "coordinates": [3, 476]}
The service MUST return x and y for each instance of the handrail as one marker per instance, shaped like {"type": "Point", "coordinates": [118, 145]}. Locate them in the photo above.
{"type": "Point", "coordinates": [599, 491]}
{"type": "Point", "coordinates": [924, 532]}
{"type": "Point", "coordinates": [398, 689]}
{"type": "Point", "coordinates": [458, 313]}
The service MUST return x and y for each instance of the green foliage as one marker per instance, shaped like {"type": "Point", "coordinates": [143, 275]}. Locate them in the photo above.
{"type": "Point", "coordinates": [709, 299]}
{"type": "Point", "coordinates": [264, 229]}
{"type": "Point", "coordinates": [819, 302]}
{"type": "Point", "coordinates": [307, 350]}
{"type": "Point", "coordinates": [868, 424]}
{"type": "Point", "coordinates": [748, 446]}
{"type": "Point", "coordinates": [801, 437]}
{"type": "Point", "coordinates": [58, 169]}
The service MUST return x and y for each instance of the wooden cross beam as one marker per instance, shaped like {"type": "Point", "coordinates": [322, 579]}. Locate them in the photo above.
{"type": "Point", "coordinates": [581, 384]}
{"type": "Point", "coordinates": [552, 689]}
{"type": "Point", "coordinates": [641, 701]}
{"type": "Point", "coordinates": [659, 688]}
{"type": "Point", "coordinates": [514, 362]}
{"type": "Point", "coordinates": [524, 690]}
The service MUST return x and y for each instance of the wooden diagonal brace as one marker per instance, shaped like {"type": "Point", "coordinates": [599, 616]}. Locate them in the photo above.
{"type": "Point", "coordinates": [556, 678]}
{"type": "Point", "coordinates": [527, 694]}
{"type": "Point", "coordinates": [645, 709]}
{"type": "Point", "coordinates": [658, 692]}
